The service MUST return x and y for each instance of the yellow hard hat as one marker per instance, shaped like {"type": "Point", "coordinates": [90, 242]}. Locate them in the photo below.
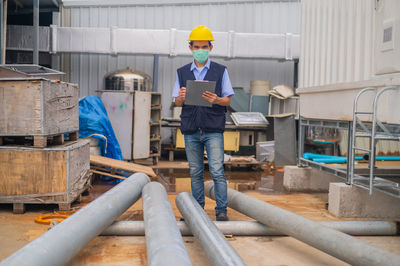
{"type": "Point", "coordinates": [201, 33]}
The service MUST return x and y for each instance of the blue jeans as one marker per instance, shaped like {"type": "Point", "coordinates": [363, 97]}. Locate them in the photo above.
{"type": "Point", "coordinates": [214, 144]}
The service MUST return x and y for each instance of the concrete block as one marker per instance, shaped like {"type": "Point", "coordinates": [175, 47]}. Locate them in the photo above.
{"type": "Point", "coordinates": [307, 179]}
{"type": "Point", "coordinates": [347, 201]}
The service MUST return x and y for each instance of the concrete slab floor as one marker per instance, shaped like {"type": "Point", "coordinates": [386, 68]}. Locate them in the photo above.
{"type": "Point", "coordinates": [18, 230]}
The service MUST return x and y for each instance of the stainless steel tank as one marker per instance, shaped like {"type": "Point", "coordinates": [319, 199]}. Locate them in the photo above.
{"type": "Point", "coordinates": [128, 80]}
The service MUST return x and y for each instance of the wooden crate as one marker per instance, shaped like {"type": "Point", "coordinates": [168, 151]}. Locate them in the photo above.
{"type": "Point", "coordinates": [38, 107]}
{"type": "Point", "coordinates": [51, 175]}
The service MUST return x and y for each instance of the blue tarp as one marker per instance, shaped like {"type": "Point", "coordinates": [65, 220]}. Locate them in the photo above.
{"type": "Point", "coordinates": [93, 119]}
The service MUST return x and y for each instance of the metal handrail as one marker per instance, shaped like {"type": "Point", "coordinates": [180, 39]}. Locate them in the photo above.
{"type": "Point", "coordinates": [353, 135]}
{"type": "Point", "coordinates": [373, 133]}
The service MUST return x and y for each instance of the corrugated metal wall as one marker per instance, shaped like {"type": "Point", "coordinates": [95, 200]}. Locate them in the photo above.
{"type": "Point", "coordinates": [257, 16]}
{"type": "Point", "coordinates": [337, 41]}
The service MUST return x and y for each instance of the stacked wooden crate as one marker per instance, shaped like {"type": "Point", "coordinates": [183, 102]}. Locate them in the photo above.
{"type": "Point", "coordinates": [37, 165]}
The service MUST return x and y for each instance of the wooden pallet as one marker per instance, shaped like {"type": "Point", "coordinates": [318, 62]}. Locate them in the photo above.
{"type": "Point", "coordinates": [38, 141]}
{"type": "Point", "coordinates": [117, 169]}
{"type": "Point", "coordinates": [19, 202]}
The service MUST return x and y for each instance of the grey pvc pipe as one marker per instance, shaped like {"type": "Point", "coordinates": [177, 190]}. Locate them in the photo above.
{"type": "Point", "coordinates": [215, 245]}
{"type": "Point", "coordinates": [335, 243]}
{"type": "Point", "coordinates": [364, 228]}
{"type": "Point", "coordinates": [163, 239]}
{"type": "Point", "coordinates": [251, 228]}
{"type": "Point", "coordinates": [60, 244]}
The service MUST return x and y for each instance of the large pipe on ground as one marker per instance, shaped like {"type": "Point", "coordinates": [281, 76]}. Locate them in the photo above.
{"type": "Point", "coordinates": [163, 239]}
{"type": "Point", "coordinates": [251, 228]}
{"type": "Point", "coordinates": [335, 243]}
{"type": "Point", "coordinates": [215, 245]}
{"type": "Point", "coordinates": [60, 244]}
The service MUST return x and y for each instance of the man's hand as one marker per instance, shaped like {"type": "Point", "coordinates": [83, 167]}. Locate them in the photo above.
{"type": "Point", "coordinates": [182, 93]}
{"type": "Point", "coordinates": [181, 98]}
{"type": "Point", "coordinates": [214, 99]}
{"type": "Point", "coordinates": [210, 97]}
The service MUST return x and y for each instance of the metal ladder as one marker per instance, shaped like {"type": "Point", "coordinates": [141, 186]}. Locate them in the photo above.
{"type": "Point", "coordinates": [377, 131]}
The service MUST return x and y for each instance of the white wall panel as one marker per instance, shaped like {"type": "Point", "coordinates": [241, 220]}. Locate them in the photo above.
{"type": "Point", "coordinates": [337, 42]}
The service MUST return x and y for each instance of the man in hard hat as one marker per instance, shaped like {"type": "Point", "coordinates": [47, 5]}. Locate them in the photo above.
{"type": "Point", "coordinates": [204, 126]}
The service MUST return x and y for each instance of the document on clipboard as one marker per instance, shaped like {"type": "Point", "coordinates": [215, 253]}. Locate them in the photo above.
{"type": "Point", "coordinates": [195, 90]}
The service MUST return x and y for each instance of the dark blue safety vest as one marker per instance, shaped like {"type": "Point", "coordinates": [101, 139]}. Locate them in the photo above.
{"type": "Point", "coordinates": [208, 119]}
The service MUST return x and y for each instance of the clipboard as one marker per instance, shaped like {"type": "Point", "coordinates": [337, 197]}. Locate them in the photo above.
{"type": "Point", "coordinates": [195, 90]}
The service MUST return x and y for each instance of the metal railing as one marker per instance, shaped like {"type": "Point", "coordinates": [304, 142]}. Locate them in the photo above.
{"type": "Point", "coordinates": [374, 130]}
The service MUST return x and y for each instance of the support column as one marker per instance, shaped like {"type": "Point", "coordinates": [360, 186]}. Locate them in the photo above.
{"type": "Point", "coordinates": [36, 32]}
{"type": "Point", "coordinates": [155, 72]}
{"type": "Point", "coordinates": [2, 33]}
